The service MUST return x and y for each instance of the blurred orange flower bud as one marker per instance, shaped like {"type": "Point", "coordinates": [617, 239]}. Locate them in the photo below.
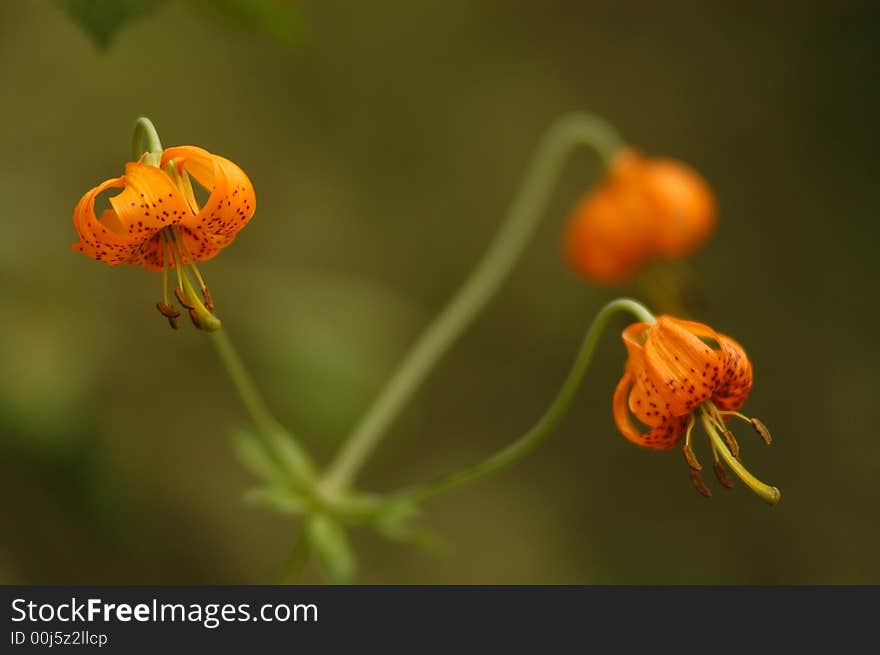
{"type": "Point", "coordinates": [644, 209]}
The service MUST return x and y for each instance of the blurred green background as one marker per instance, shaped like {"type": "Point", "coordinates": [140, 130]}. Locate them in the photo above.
{"type": "Point", "coordinates": [385, 144]}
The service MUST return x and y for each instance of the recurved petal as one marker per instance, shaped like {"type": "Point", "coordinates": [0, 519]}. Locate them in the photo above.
{"type": "Point", "coordinates": [685, 370]}
{"type": "Point", "coordinates": [663, 436]}
{"type": "Point", "coordinates": [736, 382]}
{"type": "Point", "coordinates": [102, 240]}
{"type": "Point", "coordinates": [229, 207]}
{"type": "Point", "coordinates": [645, 401]}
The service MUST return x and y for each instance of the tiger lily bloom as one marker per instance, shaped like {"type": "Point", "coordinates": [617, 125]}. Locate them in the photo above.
{"type": "Point", "coordinates": [644, 209]}
{"type": "Point", "coordinates": [156, 222]}
{"type": "Point", "coordinates": [678, 371]}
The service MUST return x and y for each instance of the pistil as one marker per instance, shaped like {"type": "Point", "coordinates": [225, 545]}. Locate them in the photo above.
{"type": "Point", "coordinates": [767, 493]}
{"type": "Point", "coordinates": [201, 316]}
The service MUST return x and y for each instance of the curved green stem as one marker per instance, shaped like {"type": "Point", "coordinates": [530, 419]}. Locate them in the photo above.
{"type": "Point", "coordinates": [525, 211]}
{"type": "Point", "coordinates": [283, 446]}
{"type": "Point", "coordinates": [145, 141]}
{"type": "Point", "coordinates": [548, 421]}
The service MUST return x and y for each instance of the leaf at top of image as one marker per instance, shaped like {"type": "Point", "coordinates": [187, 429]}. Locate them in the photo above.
{"type": "Point", "coordinates": [102, 19]}
{"type": "Point", "coordinates": [276, 18]}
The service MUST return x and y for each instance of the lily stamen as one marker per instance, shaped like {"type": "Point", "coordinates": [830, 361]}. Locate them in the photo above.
{"type": "Point", "coordinates": [699, 483]}
{"type": "Point", "coordinates": [209, 301]}
{"type": "Point", "coordinates": [181, 298]}
{"type": "Point", "coordinates": [756, 424]}
{"type": "Point", "coordinates": [201, 316]}
{"type": "Point", "coordinates": [720, 471]}
{"type": "Point", "coordinates": [688, 450]}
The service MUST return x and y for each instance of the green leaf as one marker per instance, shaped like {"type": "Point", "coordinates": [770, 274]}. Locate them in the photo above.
{"type": "Point", "coordinates": [102, 19]}
{"type": "Point", "coordinates": [292, 458]}
{"type": "Point", "coordinates": [276, 18]}
{"type": "Point", "coordinates": [280, 464]}
{"type": "Point", "coordinates": [332, 551]}
{"type": "Point", "coordinates": [395, 520]}
{"type": "Point", "coordinates": [253, 456]}
{"type": "Point", "coordinates": [284, 501]}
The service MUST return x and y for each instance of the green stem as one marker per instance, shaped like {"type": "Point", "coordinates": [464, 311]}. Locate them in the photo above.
{"type": "Point", "coordinates": [243, 382]}
{"type": "Point", "coordinates": [296, 562]}
{"type": "Point", "coordinates": [525, 211]}
{"type": "Point", "coordinates": [145, 141]}
{"type": "Point", "coordinates": [551, 417]}
{"type": "Point", "coordinates": [281, 443]}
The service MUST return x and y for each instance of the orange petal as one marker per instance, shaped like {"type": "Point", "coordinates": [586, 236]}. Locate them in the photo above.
{"type": "Point", "coordinates": [229, 207]}
{"type": "Point", "coordinates": [128, 233]}
{"type": "Point", "coordinates": [662, 437]}
{"type": "Point", "coordinates": [645, 401]}
{"type": "Point", "coordinates": [685, 370]}
{"type": "Point", "coordinates": [737, 381]}
{"type": "Point", "coordinates": [101, 240]}
{"type": "Point", "coordinates": [198, 245]}
{"type": "Point", "coordinates": [149, 202]}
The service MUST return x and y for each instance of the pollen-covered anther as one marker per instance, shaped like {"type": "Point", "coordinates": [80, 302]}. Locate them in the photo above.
{"type": "Point", "coordinates": [168, 312]}
{"type": "Point", "coordinates": [194, 317]}
{"type": "Point", "coordinates": [762, 431]}
{"type": "Point", "coordinates": [181, 298]}
{"type": "Point", "coordinates": [691, 458]}
{"type": "Point", "coordinates": [209, 301]}
{"type": "Point", "coordinates": [699, 484]}
{"type": "Point", "coordinates": [721, 474]}
{"type": "Point", "coordinates": [732, 443]}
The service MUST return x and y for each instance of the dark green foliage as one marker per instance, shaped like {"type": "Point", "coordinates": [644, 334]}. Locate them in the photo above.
{"type": "Point", "coordinates": [102, 19]}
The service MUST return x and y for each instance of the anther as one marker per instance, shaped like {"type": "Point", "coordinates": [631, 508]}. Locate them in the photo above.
{"type": "Point", "coordinates": [172, 321]}
{"type": "Point", "coordinates": [731, 442]}
{"type": "Point", "coordinates": [181, 298]}
{"type": "Point", "coordinates": [721, 474]}
{"type": "Point", "coordinates": [762, 430]}
{"type": "Point", "coordinates": [194, 317]}
{"type": "Point", "coordinates": [209, 301]}
{"type": "Point", "coordinates": [699, 485]}
{"type": "Point", "coordinates": [167, 310]}
{"type": "Point", "coordinates": [691, 458]}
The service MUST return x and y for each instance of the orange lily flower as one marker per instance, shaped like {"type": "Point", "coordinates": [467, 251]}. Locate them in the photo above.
{"type": "Point", "coordinates": [674, 370]}
{"type": "Point", "coordinates": [644, 209]}
{"type": "Point", "coordinates": [156, 221]}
